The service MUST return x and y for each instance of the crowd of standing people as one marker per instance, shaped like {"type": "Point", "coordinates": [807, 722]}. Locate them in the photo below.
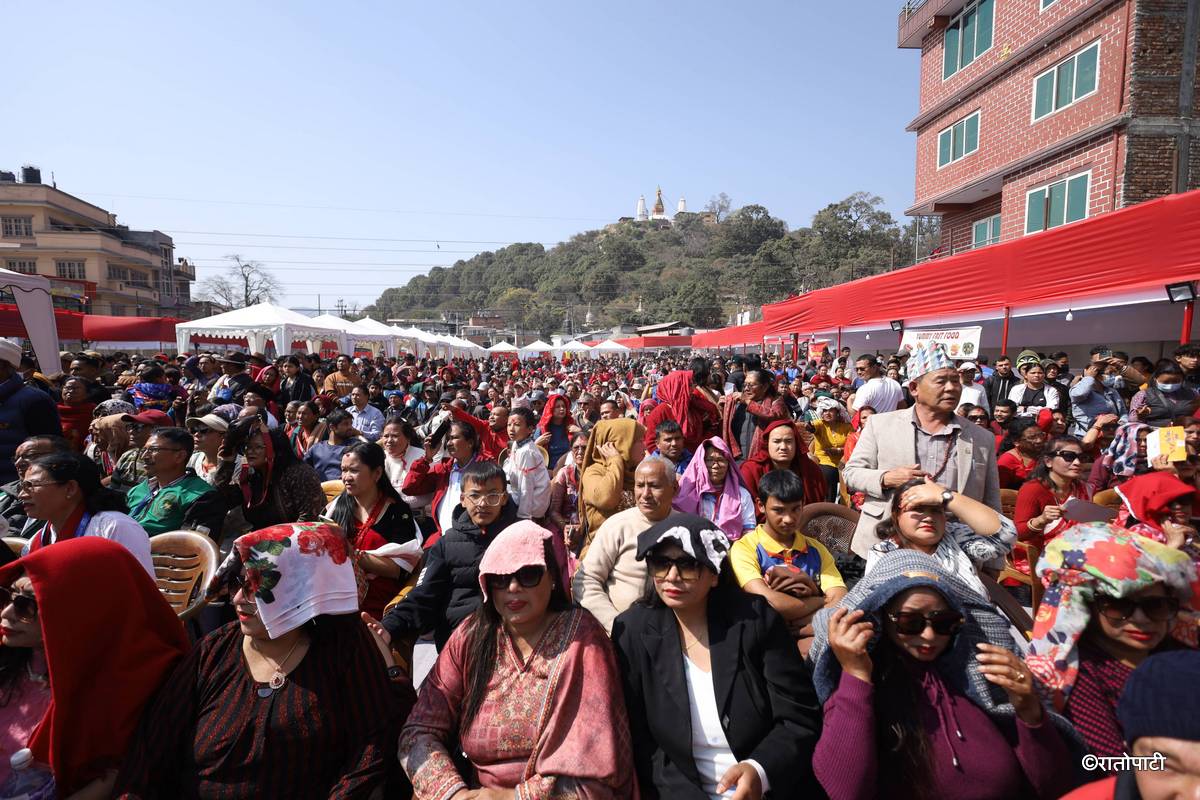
{"type": "Point", "coordinates": [852, 576]}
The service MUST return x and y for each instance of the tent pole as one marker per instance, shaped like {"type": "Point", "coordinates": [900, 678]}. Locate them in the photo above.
{"type": "Point", "coordinates": [1186, 334]}
{"type": "Point", "coordinates": [1004, 335]}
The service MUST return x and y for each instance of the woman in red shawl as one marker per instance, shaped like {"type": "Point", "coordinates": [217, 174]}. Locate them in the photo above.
{"type": "Point", "coordinates": [75, 412]}
{"type": "Point", "coordinates": [679, 400]}
{"type": "Point", "coordinates": [557, 428]}
{"type": "Point", "coordinates": [269, 377]}
{"type": "Point", "coordinates": [781, 447]}
{"type": "Point", "coordinates": [110, 639]}
{"type": "Point", "coordinates": [1157, 505]}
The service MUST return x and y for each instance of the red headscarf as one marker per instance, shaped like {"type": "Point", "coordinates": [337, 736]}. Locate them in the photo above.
{"type": "Point", "coordinates": [110, 640]}
{"type": "Point", "coordinates": [76, 419]}
{"type": "Point", "coordinates": [675, 390]}
{"type": "Point", "coordinates": [1148, 497]}
{"type": "Point", "coordinates": [760, 464]}
{"type": "Point", "coordinates": [548, 412]}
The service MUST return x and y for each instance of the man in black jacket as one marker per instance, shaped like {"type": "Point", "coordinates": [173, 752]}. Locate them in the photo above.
{"type": "Point", "coordinates": [448, 589]}
{"type": "Point", "coordinates": [1001, 381]}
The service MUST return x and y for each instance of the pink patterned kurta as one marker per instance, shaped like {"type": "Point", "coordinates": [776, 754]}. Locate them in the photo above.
{"type": "Point", "coordinates": [552, 728]}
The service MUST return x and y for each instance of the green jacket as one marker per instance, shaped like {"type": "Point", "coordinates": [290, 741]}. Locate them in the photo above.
{"type": "Point", "coordinates": [187, 504]}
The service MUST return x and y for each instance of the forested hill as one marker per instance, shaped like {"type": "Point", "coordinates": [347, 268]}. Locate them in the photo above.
{"type": "Point", "coordinates": [700, 269]}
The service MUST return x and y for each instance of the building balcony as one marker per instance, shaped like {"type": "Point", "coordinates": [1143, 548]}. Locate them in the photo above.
{"type": "Point", "coordinates": [919, 17]}
{"type": "Point", "coordinates": [184, 269]}
{"type": "Point", "coordinates": [92, 242]}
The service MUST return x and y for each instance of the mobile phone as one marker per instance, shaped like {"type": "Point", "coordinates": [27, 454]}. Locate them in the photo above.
{"type": "Point", "coordinates": [438, 435]}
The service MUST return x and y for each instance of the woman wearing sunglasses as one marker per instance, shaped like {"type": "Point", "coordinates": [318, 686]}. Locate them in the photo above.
{"type": "Point", "coordinates": [977, 537]}
{"type": "Point", "coordinates": [924, 696]}
{"type": "Point", "coordinates": [291, 700]}
{"type": "Point", "coordinates": [526, 689]}
{"type": "Point", "coordinates": [24, 679]}
{"type": "Point", "coordinates": [717, 695]}
{"type": "Point", "coordinates": [1039, 511]}
{"type": "Point", "coordinates": [1111, 600]}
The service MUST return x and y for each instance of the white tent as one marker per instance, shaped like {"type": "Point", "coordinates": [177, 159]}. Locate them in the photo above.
{"type": "Point", "coordinates": [611, 346]}
{"type": "Point", "coordinates": [503, 347]}
{"type": "Point", "coordinates": [573, 347]}
{"type": "Point", "coordinates": [32, 293]}
{"type": "Point", "coordinates": [256, 324]}
{"type": "Point", "coordinates": [419, 341]}
{"type": "Point", "coordinates": [356, 334]}
{"type": "Point", "coordinates": [537, 347]}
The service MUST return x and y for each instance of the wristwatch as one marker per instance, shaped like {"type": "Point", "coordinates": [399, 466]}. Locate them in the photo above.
{"type": "Point", "coordinates": [947, 496]}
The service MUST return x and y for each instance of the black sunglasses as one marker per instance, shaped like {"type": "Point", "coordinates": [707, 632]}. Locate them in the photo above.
{"type": "Point", "coordinates": [687, 567]}
{"type": "Point", "coordinates": [978, 418]}
{"type": "Point", "coordinates": [24, 604]}
{"type": "Point", "coordinates": [1069, 456]}
{"type": "Point", "coordinates": [913, 623]}
{"type": "Point", "coordinates": [1119, 609]}
{"type": "Point", "coordinates": [528, 577]}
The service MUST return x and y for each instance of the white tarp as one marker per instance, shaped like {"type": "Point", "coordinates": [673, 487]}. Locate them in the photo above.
{"type": "Point", "coordinates": [573, 347]}
{"type": "Point", "coordinates": [32, 294]}
{"type": "Point", "coordinates": [503, 347]}
{"type": "Point", "coordinates": [256, 324]}
{"type": "Point", "coordinates": [537, 347]}
{"type": "Point", "coordinates": [611, 346]}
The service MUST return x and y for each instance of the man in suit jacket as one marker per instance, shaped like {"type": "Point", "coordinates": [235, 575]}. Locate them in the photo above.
{"type": "Point", "coordinates": [927, 439]}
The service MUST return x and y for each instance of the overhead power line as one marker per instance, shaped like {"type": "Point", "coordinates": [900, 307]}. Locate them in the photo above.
{"type": "Point", "coordinates": [431, 240]}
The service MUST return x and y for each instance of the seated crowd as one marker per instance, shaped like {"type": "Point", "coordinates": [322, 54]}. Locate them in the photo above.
{"type": "Point", "coordinates": [853, 577]}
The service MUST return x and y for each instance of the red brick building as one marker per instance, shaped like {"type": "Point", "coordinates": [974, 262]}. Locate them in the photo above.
{"type": "Point", "coordinates": [1037, 113]}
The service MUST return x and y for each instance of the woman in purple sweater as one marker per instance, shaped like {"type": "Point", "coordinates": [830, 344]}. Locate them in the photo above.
{"type": "Point", "coordinates": [924, 696]}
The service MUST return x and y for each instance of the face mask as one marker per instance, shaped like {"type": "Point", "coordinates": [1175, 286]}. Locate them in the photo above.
{"type": "Point", "coordinates": [1167, 387]}
{"type": "Point", "coordinates": [1111, 381]}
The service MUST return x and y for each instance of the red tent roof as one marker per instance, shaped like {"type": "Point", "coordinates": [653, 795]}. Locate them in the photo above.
{"type": "Point", "coordinates": [100, 328]}
{"type": "Point", "coordinates": [1140, 247]}
{"type": "Point", "coordinates": [655, 342]}
{"type": "Point", "coordinates": [735, 336]}
{"type": "Point", "coordinates": [69, 323]}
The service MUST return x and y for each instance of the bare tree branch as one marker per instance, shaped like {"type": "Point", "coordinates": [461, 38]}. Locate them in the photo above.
{"type": "Point", "coordinates": [244, 283]}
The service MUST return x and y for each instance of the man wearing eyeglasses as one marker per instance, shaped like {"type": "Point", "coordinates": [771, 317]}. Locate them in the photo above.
{"type": "Point", "coordinates": [130, 469]}
{"type": "Point", "coordinates": [12, 510]}
{"type": "Point", "coordinates": [448, 590]}
{"type": "Point", "coordinates": [172, 497]}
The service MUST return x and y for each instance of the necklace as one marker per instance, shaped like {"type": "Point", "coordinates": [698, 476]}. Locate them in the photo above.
{"type": "Point", "coordinates": [279, 677]}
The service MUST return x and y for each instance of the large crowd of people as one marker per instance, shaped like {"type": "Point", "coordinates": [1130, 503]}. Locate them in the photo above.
{"type": "Point", "coordinates": [675, 576]}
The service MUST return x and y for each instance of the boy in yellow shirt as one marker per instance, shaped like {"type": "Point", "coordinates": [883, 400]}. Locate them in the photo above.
{"type": "Point", "coordinates": [795, 573]}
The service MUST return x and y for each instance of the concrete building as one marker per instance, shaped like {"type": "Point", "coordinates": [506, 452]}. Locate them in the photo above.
{"type": "Point", "coordinates": [94, 264]}
{"type": "Point", "coordinates": [1038, 113]}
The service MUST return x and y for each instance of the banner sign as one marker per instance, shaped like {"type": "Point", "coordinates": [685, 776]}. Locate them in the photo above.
{"type": "Point", "coordinates": [960, 343]}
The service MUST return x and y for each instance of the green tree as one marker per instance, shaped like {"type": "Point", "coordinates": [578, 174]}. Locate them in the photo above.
{"type": "Point", "coordinates": [745, 231]}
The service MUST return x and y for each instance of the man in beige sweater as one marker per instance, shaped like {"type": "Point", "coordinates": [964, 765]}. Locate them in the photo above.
{"type": "Point", "coordinates": [610, 579]}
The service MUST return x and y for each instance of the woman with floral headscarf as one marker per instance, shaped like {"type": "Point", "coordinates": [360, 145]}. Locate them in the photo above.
{"type": "Point", "coordinates": [924, 695]}
{"type": "Point", "coordinates": [1112, 599]}
{"type": "Point", "coordinates": [712, 487]}
{"type": "Point", "coordinates": [291, 700]}
{"type": "Point", "coordinates": [110, 439]}
{"type": "Point", "coordinates": [1123, 459]}
{"type": "Point", "coordinates": [521, 700]}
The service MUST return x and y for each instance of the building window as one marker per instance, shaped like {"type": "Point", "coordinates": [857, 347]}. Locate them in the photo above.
{"type": "Point", "coordinates": [986, 231]}
{"type": "Point", "coordinates": [1066, 83]}
{"type": "Point", "coordinates": [73, 270]}
{"type": "Point", "coordinates": [16, 227]}
{"type": "Point", "coordinates": [116, 273]}
{"type": "Point", "coordinates": [960, 139]}
{"type": "Point", "coordinates": [1047, 3]}
{"type": "Point", "coordinates": [968, 36]}
{"type": "Point", "coordinates": [22, 266]}
{"type": "Point", "coordinates": [1057, 204]}
{"type": "Point", "coordinates": [116, 309]}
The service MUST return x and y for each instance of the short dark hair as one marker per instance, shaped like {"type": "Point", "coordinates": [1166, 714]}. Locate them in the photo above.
{"type": "Point", "coordinates": [869, 358]}
{"type": "Point", "coordinates": [782, 484]}
{"type": "Point", "coordinates": [1003, 357]}
{"type": "Point", "coordinates": [1190, 349]}
{"type": "Point", "coordinates": [524, 413]}
{"type": "Point", "coordinates": [667, 426]}
{"type": "Point", "coordinates": [177, 437]}
{"type": "Point", "coordinates": [336, 417]}
{"type": "Point", "coordinates": [480, 473]}
{"type": "Point", "coordinates": [1009, 404]}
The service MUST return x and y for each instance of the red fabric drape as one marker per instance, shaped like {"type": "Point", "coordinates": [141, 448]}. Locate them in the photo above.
{"type": "Point", "coordinates": [1147, 245]}
{"type": "Point", "coordinates": [69, 323]}
{"type": "Point", "coordinates": [101, 328]}
{"type": "Point", "coordinates": [734, 336]}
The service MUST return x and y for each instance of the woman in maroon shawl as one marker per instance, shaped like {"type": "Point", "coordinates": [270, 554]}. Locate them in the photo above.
{"type": "Point", "coordinates": [779, 450]}
{"type": "Point", "coordinates": [679, 400]}
{"type": "Point", "coordinates": [527, 688]}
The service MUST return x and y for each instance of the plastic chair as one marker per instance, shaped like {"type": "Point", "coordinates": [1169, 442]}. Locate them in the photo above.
{"type": "Point", "coordinates": [1010, 571]}
{"type": "Point", "coordinates": [831, 524]}
{"type": "Point", "coordinates": [332, 490]}
{"type": "Point", "coordinates": [1008, 502]}
{"type": "Point", "coordinates": [402, 649]}
{"type": "Point", "coordinates": [184, 563]}
{"type": "Point", "coordinates": [16, 544]}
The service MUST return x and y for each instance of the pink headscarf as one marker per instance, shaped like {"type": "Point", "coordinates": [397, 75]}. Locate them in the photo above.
{"type": "Point", "coordinates": [520, 545]}
{"type": "Point", "coordinates": [695, 482]}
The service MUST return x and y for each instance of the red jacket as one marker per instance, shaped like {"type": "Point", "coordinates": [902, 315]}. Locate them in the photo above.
{"type": "Point", "coordinates": [491, 443]}
{"type": "Point", "coordinates": [425, 479]}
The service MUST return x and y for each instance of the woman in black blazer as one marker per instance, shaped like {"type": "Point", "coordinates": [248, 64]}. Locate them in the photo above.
{"type": "Point", "coordinates": [718, 698]}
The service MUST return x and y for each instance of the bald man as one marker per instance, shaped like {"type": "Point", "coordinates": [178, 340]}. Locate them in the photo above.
{"type": "Point", "coordinates": [610, 579]}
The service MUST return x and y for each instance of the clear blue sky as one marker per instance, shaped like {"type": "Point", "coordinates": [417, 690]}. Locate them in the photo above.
{"type": "Point", "coordinates": [482, 122]}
